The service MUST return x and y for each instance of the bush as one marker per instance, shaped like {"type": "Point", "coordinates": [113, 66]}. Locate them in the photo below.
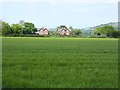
{"type": "Point", "coordinates": [26, 35]}
{"type": "Point", "coordinates": [98, 36]}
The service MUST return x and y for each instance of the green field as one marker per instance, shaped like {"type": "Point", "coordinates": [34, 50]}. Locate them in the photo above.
{"type": "Point", "coordinates": [60, 63]}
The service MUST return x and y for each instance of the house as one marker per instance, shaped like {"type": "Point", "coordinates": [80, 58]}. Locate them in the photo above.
{"type": "Point", "coordinates": [63, 31]}
{"type": "Point", "coordinates": [43, 31]}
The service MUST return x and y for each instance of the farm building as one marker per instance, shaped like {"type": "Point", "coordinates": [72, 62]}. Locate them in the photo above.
{"type": "Point", "coordinates": [43, 31]}
{"type": "Point", "coordinates": [63, 31]}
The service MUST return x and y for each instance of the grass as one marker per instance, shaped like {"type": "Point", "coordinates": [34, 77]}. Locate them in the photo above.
{"type": "Point", "coordinates": [60, 63]}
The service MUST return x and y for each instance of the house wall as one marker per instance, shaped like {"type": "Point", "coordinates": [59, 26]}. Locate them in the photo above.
{"type": "Point", "coordinates": [63, 32]}
{"type": "Point", "coordinates": [41, 32]}
{"type": "Point", "coordinates": [45, 32]}
{"type": "Point", "coordinates": [67, 32]}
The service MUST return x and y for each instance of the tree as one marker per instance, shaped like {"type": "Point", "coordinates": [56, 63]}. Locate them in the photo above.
{"type": "Point", "coordinates": [77, 32]}
{"type": "Point", "coordinates": [70, 28]}
{"type": "Point", "coordinates": [98, 31]}
{"type": "Point", "coordinates": [28, 28]}
{"type": "Point", "coordinates": [6, 29]}
{"type": "Point", "coordinates": [16, 28]}
{"type": "Point", "coordinates": [63, 27]}
{"type": "Point", "coordinates": [108, 30]}
{"type": "Point", "coordinates": [53, 33]}
{"type": "Point", "coordinates": [116, 33]}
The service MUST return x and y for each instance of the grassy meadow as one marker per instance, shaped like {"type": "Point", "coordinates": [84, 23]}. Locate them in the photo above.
{"type": "Point", "coordinates": [60, 62]}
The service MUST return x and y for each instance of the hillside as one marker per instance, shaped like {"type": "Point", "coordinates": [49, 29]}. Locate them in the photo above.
{"type": "Point", "coordinates": [116, 26]}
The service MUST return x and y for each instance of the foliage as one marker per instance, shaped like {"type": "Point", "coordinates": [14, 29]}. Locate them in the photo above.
{"type": "Point", "coordinates": [26, 35]}
{"type": "Point", "coordinates": [63, 26]}
{"type": "Point", "coordinates": [116, 33]}
{"type": "Point", "coordinates": [35, 30]}
{"type": "Point", "coordinates": [6, 30]}
{"type": "Point", "coordinates": [76, 32]}
{"type": "Point", "coordinates": [98, 31]}
{"type": "Point", "coordinates": [53, 33]}
{"type": "Point", "coordinates": [108, 30]}
{"type": "Point", "coordinates": [28, 28]}
{"type": "Point", "coordinates": [16, 28]}
{"type": "Point", "coordinates": [71, 28]}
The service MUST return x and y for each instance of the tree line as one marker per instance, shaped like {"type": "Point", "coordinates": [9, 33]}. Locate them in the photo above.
{"type": "Point", "coordinates": [107, 31]}
{"type": "Point", "coordinates": [28, 29]}
{"type": "Point", "coordinates": [18, 29]}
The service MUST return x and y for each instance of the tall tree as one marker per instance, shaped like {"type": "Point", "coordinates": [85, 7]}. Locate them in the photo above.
{"type": "Point", "coordinates": [71, 28]}
{"type": "Point", "coordinates": [116, 33]}
{"type": "Point", "coordinates": [76, 32]}
{"type": "Point", "coordinates": [6, 28]}
{"type": "Point", "coordinates": [63, 27]}
{"type": "Point", "coordinates": [108, 30]}
{"type": "Point", "coordinates": [28, 28]}
{"type": "Point", "coordinates": [16, 28]}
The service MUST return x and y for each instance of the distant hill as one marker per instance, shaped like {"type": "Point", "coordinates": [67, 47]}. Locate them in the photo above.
{"type": "Point", "coordinates": [116, 26]}
{"type": "Point", "coordinates": [52, 29]}
{"type": "Point", "coordinates": [89, 29]}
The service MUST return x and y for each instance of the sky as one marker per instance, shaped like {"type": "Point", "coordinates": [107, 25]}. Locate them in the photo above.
{"type": "Point", "coordinates": [53, 13]}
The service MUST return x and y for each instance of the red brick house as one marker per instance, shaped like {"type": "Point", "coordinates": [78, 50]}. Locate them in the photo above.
{"type": "Point", "coordinates": [43, 31]}
{"type": "Point", "coordinates": [63, 31]}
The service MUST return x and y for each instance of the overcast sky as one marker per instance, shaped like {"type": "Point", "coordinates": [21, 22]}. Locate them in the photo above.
{"type": "Point", "coordinates": [52, 13]}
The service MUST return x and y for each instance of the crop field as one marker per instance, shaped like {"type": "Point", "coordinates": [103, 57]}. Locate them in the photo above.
{"type": "Point", "coordinates": [59, 62]}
